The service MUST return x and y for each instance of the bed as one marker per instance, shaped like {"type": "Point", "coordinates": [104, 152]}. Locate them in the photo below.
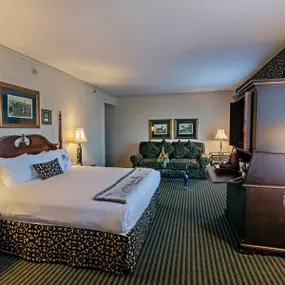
{"type": "Point", "coordinates": [58, 221]}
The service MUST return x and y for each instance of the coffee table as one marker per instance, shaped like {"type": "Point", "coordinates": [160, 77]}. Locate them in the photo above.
{"type": "Point", "coordinates": [175, 173]}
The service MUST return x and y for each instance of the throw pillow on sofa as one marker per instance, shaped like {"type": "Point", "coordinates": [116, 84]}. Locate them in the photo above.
{"type": "Point", "coordinates": [167, 147]}
{"type": "Point", "coordinates": [180, 151]}
{"type": "Point", "coordinates": [194, 150]}
{"type": "Point", "coordinates": [149, 149]}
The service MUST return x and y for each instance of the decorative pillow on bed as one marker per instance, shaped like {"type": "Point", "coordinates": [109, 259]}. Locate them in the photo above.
{"type": "Point", "coordinates": [15, 170]}
{"type": "Point", "coordinates": [48, 169]}
{"type": "Point", "coordinates": [45, 156]}
{"type": "Point", "coordinates": [42, 157]}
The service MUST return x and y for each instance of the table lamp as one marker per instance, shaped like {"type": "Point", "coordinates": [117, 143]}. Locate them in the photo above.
{"type": "Point", "coordinates": [79, 138]}
{"type": "Point", "coordinates": [221, 136]}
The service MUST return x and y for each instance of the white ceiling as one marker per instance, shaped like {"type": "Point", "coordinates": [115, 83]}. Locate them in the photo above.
{"type": "Point", "coordinates": [130, 47]}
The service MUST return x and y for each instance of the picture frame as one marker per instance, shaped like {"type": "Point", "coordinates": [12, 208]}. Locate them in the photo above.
{"type": "Point", "coordinates": [19, 107]}
{"type": "Point", "coordinates": [186, 128]}
{"type": "Point", "coordinates": [160, 129]}
{"type": "Point", "coordinates": [46, 117]}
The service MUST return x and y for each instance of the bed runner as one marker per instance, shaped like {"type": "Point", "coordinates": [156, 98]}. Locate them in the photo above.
{"type": "Point", "coordinates": [120, 190]}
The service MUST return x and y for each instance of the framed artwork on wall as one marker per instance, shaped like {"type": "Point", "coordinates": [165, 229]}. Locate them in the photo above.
{"type": "Point", "coordinates": [160, 129]}
{"type": "Point", "coordinates": [19, 107]}
{"type": "Point", "coordinates": [186, 128]}
{"type": "Point", "coordinates": [46, 117]}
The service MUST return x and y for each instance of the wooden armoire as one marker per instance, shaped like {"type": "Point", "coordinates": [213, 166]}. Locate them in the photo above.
{"type": "Point", "coordinates": [256, 203]}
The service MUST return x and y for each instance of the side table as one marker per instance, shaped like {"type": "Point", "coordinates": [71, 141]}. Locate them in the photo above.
{"type": "Point", "coordinates": [218, 157]}
{"type": "Point", "coordinates": [75, 164]}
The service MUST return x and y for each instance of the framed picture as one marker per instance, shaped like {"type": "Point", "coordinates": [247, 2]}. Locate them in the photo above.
{"type": "Point", "coordinates": [186, 128]}
{"type": "Point", "coordinates": [160, 129]}
{"type": "Point", "coordinates": [46, 117]}
{"type": "Point", "coordinates": [19, 107]}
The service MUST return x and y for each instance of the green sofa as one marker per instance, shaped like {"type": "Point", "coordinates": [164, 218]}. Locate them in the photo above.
{"type": "Point", "coordinates": [181, 155]}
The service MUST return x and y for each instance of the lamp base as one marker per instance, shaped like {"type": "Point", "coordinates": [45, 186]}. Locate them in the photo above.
{"type": "Point", "coordinates": [79, 154]}
{"type": "Point", "coordinates": [221, 147]}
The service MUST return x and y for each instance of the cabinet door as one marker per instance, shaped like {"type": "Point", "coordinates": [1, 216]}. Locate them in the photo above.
{"type": "Point", "coordinates": [265, 217]}
{"type": "Point", "coordinates": [235, 212]}
{"type": "Point", "coordinates": [237, 123]}
{"type": "Point", "coordinates": [250, 121]}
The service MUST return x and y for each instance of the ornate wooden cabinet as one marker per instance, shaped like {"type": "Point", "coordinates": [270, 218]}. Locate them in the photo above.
{"type": "Point", "coordinates": [256, 204]}
{"type": "Point", "coordinates": [256, 207]}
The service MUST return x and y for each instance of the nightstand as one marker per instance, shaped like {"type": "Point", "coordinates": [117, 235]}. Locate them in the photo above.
{"type": "Point", "coordinates": [75, 164]}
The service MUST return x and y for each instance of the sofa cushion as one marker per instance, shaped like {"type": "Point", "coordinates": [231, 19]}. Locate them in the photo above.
{"type": "Point", "coordinates": [201, 145]}
{"type": "Point", "coordinates": [194, 150]}
{"type": "Point", "coordinates": [149, 163]}
{"type": "Point", "coordinates": [167, 147]}
{"type": "Point", "coordinates": [179, 150]}
{"type": "Point", "coordinates": [180, 163]}
{"type": "Point", "coordinates": [149, 149]}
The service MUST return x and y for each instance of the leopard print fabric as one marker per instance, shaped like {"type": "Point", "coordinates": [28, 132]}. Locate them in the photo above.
{"type": "Point", "coordinates": [78, 247]}
{"type": "Point", "coordinates": [48, 169]}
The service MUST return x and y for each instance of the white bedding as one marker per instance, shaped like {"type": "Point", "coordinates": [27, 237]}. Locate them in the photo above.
{"type": "Point", "coordinates": [67, 200]}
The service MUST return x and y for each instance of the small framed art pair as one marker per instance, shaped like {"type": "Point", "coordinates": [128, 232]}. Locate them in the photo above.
{"type": "Point", "coordinates": [183, 129]}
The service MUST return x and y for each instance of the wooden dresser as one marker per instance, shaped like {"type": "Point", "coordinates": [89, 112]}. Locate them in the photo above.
{"type": "Point", "coordinates": [256, 207]}
{"type": "Point", "coordinates": [256, 203]}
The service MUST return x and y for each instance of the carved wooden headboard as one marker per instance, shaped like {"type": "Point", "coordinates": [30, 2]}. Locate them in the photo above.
{"type": "Point", "coordinates": [12, 146]}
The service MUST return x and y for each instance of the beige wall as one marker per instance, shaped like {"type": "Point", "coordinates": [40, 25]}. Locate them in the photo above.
{"type": "Point", "coordinates": [59, 91]}
{"type": "Point", "coordinates": [132, 115]}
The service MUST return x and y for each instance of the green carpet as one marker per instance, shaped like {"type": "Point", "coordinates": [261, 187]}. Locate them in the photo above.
{"type": "Point", "coordinates": [190, 242]}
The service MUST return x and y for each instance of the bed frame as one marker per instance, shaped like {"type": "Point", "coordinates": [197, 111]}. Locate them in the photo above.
{"type": "Point", "coordinates": [73, 246]}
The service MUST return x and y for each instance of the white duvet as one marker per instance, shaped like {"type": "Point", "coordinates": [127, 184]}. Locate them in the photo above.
{"type": "Point", "coordinates": [67, 200]}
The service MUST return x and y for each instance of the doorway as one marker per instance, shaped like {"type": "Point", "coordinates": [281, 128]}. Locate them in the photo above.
{"type": "Point", "coordinates": [109, 134]}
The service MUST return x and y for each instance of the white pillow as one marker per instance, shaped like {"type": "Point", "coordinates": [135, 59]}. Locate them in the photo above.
{"type": "Point", "coordinates": [63, 158]}
{"type": "Point", "coordinates": [15, 170]}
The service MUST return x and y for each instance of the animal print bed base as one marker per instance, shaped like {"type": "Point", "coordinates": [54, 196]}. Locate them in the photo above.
{"type": "Point", "coordinates": [78, 247]}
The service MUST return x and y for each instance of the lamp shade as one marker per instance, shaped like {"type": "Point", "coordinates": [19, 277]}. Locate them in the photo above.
{"type": "Point", "coordinates": [221, 135]}
{"type": "Point", "coordinates": [80, 136]}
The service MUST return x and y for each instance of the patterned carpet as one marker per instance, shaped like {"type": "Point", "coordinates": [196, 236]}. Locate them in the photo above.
{"type": "Point", "coordinates": [190, 242]}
